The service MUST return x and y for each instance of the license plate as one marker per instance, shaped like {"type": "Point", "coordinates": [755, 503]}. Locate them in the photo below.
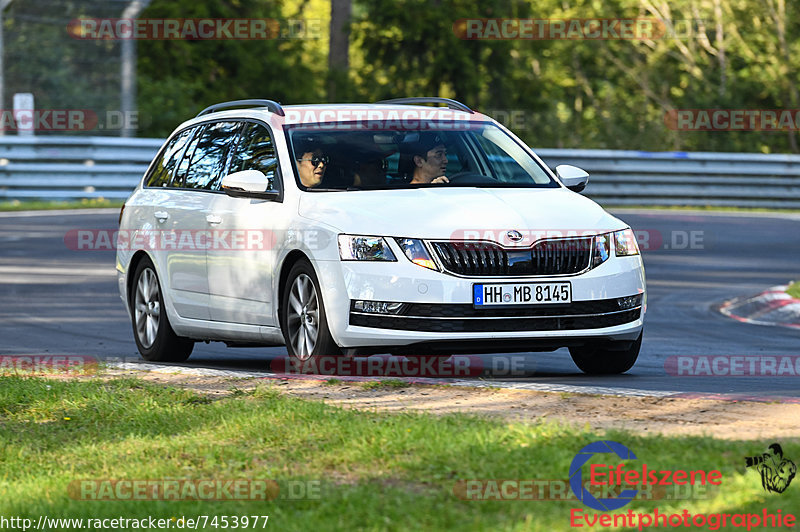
{"type": "Point", "coordinates": [486, 295]}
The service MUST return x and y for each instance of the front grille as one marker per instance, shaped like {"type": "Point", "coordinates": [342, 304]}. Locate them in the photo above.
{"type": "Point", "coordinates": [562, 256]}
{"type": "Point", "coordinates": [430, 317]}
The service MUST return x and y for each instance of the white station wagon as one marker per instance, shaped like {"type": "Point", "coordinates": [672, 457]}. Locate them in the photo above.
{"type": "Point", "coordinates": [394, 227]}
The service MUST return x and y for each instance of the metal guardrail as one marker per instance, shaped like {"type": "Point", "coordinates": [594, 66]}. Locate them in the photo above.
{"type": "Point", "coordinates": [66, 168]}
{"type": "Point", "coordinates": [686, 178]}
{"type": "Point", "coordinates": [51, 167]}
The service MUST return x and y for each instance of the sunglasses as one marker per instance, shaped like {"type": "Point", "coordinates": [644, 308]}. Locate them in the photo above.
{"type": "Point", "coordinates": [317, 159]}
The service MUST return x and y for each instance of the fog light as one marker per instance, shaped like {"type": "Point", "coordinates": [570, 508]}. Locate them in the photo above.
{"type": "Point", "coordinates": [629, 301]}
{"type": "Point", "coordinates": [377, 307]}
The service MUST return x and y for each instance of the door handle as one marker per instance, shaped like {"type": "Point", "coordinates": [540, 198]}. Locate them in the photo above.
{"type": "Point", "coordinates": [213, 219]}
{"type": "Point", "coordinates": [161, 216]}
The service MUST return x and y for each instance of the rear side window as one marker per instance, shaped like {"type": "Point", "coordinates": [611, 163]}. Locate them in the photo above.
{"type": "Point", "coordinates": [208, 160]}
{"type": "Point", "coordinates": [165, 165]}
{"type": "Point", "coordinates": [256, 151]}
{"type": "Point", "coordinates": [183, 167]}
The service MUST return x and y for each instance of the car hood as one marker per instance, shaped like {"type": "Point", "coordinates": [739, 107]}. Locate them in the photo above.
{"type": "Point", "coordinates": [460, 213]}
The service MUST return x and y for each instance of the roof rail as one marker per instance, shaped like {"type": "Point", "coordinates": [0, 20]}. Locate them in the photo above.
{"type": "Point", "coordinates": [272, 105]}
{"type": "Point", "coordinates": [452, 104]}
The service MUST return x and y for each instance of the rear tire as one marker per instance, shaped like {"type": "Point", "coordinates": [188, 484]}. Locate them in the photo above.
{"type": "Point", "coordinates": [156, 340]}
{"type": "Point", "coordinates": [595, 360]}
{"type": "Point", "coordinates": [304, 322]}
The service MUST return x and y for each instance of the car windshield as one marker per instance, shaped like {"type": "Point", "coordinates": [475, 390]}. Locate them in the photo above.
{"type": "Point", "coordinates": [366, 155]}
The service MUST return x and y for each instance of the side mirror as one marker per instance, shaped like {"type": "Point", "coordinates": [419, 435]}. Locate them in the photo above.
{"type": "Point", "coordinates": [574, 178]}
{"type": "Point", "coordinates": [249, 184]}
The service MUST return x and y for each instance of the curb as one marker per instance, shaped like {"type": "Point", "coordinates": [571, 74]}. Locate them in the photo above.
{"type": "Point", "coordinates": [527, 385]}
{"type": "Point", "coordinates": [771, 307]}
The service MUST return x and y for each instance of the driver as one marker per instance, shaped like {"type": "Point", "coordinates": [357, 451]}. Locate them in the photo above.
{"type": "Point", "coordinates": [429, 156]}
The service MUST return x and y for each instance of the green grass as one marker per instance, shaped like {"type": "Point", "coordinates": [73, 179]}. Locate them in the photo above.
{"type": "Point", "coordinates": [794, 289]}
{"type": "Point", "coordinates": [385, 384]}
{"type": "Point", "coordinates": [373, 471]}
{"type": "Point", "coordinates": [17, 205]}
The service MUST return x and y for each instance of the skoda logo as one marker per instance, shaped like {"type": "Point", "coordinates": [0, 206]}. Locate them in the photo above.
{"type": "Point", "coordinates": [514, 235]}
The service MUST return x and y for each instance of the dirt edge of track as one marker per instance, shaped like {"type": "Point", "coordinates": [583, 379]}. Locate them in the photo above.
{"type": "Point", "coordinates": [670, 416]}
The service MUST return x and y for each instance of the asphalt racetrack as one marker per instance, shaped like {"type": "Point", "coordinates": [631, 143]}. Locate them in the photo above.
{"type": "Point", "coordinates": [58, 301]}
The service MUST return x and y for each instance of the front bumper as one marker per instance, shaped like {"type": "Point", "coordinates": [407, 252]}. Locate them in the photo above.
{"type": "Point", "coordinates": [423, 317]}
{"type": "Point", "coordinates": [442, 314]}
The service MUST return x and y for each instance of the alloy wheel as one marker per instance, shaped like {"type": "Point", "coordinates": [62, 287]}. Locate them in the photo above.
{"type": "Point", "coordinates": [147, 308]}
{"type": "Point", "coordinates": [303, 316]}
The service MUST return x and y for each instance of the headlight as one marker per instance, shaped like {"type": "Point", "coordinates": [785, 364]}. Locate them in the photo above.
{"type": "Point", "coordinates": [601, 248]}
{"type": "Point", "coordinates": [354, 247]}
{"type": "Point", "coordinates": [625, 243]}
{"type": "Point", "coordinates": [416, 252]}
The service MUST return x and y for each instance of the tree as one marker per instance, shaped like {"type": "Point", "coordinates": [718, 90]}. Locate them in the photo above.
{"type": "Point", "coordinates": [177, 78]}
{"type": "Point", "coordinates": [339, 49]}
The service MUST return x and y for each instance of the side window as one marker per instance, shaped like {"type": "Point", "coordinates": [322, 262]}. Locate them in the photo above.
{"type": "Point", "coordinates": [164, 167]}
{"type": "Point", "coordinates": [208, 160]}
{"type": "Point", "coordinates": [256, 151]}
{"type": "Point", "coordinates": [180, 175]}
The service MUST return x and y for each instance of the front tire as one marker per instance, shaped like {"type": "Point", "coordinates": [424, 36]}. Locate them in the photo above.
{"type": "Point", "coordinates": [303, 319]}
{"type": "Point", "coordinates": [156, 340]}
{"type": "Point", "coordinates": [595, 360]}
